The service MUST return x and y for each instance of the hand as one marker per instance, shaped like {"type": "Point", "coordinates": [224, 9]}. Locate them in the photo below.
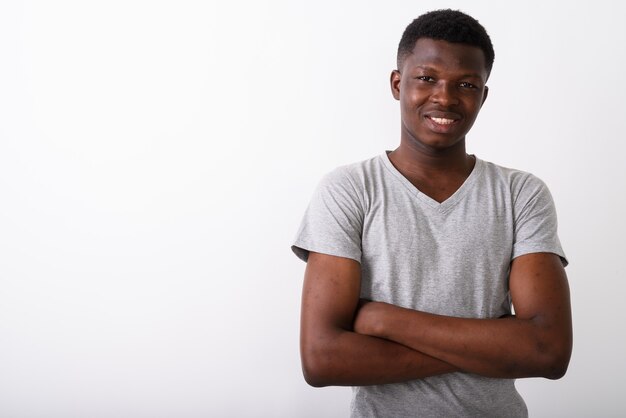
{"type": "Point", "coordinates": [369, 317]}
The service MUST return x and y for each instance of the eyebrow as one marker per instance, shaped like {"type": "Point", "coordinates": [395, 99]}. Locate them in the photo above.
{"type": "Point", "coordinates": [427, 68]}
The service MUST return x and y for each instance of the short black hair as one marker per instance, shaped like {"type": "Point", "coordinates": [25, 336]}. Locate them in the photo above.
{"type": "Point", "coordinates": [446, 25]}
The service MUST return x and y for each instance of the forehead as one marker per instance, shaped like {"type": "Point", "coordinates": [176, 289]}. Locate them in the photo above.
{"type": "Point", "coordinates": [446, 56]}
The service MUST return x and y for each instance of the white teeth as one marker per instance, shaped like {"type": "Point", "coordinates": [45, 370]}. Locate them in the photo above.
{"type": "Point", "coordinates": [442, 121]}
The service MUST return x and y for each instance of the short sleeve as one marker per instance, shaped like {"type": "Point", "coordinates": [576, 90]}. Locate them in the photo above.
{"type": "Point", "coordinates": [536, 220]}
{"type": "Point", "coordinates": [333, 221]}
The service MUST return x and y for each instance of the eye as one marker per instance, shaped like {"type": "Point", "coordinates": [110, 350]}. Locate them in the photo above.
{"type": "Point", "coordinates": [467, 85]}
{"type": "Point", "coordinates": [426, 78]}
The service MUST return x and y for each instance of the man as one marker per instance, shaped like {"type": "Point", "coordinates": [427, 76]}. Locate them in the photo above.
{"type": "Point", "coordinates": [415, 257]}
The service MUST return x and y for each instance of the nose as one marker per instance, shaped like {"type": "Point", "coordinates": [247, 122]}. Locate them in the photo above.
{"type": "Point", "coordinates": [444, 94]}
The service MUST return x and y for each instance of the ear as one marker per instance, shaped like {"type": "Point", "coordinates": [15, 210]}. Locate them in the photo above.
{"type": "Point", "coordinates": [485, 96]}
{"type": "Point", "coordinates": [394, 82]}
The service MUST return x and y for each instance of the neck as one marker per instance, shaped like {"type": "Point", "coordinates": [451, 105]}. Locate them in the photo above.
{"type": "Point", "coordinates": [421, 162]}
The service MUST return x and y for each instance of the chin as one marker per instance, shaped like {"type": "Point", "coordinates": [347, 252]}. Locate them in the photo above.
{"type": "Point", "coordinates": [440, 143]}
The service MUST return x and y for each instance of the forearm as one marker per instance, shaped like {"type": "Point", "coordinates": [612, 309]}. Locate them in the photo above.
{"type": "Point", "coordinates": [506, 348]}
{"type": "Point", "coordinates": [345, 358]}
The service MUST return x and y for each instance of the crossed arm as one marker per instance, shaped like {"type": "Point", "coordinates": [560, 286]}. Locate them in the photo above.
{"type": "Point", "coordinates": [343, 343]}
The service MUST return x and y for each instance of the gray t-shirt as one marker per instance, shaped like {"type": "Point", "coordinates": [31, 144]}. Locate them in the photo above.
{"type": "Point", "coordinates": [450, 258]}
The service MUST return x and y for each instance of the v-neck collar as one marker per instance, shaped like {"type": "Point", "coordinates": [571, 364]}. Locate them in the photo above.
{"type": "Point", "coordinates": [447, 204]}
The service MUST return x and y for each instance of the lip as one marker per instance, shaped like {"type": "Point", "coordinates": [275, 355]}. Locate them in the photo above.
{"type": "Point", "coordinates": [439, 127]}
{"type": "Point", "coordinates": [442, 114]}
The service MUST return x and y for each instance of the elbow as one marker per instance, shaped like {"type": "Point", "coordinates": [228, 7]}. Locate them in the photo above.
{"type": "Point", "coordinates": [313, 377]}
{"type": "Point", "coordinates": [320, 364]}
{"type": "Point", "coordinates": [556, 362]}
{"type": "Point", "coordinates": [314, 368]}
{"type": "Point", "coordinates": [556, 372]}
{"type": "Point", "coordinates": [557, 368]}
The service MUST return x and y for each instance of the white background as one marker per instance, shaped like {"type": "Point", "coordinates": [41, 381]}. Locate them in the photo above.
{"type": "Point", "coordinates": [156, 158]}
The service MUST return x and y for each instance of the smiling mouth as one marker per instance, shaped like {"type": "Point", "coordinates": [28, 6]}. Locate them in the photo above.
{"type": "Point", "coordinates": [442, 121]}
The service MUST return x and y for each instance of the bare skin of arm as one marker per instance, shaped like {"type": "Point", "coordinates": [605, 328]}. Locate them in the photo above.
{"type": "Point", "coordinates": [331, 352]}
{"type": "Point", "coordinates": [536, 342]}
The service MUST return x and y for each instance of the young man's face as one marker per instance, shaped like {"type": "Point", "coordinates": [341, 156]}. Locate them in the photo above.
{"type": "Point", "coordinates": [441, 88]}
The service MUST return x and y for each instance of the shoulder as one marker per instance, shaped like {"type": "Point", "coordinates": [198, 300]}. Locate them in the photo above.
{"type": "Point", "coordinates": [520, 184]}
{"type": "Point", "coordinates": [355, 172]}
{"type": "Point", "coordinates": [353, 178]}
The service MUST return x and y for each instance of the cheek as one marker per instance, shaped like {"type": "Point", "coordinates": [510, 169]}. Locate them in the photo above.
{"type": "Point", "coordinates": [475, 108]}
{"type": "Point", "coordinates": [469, 105]}
{"type": "Point", "coordinates": [412, 100]}
{"type": "Point", "coordinates": [410, 111]}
